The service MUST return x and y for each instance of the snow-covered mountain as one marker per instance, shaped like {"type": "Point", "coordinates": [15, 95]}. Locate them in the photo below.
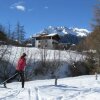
{"type": "Point", "coordinates": [80, 32]}
{"type": "Point", "coordinates": [64, 30]}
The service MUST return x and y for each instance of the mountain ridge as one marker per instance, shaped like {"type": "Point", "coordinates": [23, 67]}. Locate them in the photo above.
{"type": "Point", "coordinates": [62, 30]}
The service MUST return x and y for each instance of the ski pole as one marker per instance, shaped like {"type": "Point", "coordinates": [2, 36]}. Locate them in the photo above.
{"type": "Point", "coordinates": [8, 79]}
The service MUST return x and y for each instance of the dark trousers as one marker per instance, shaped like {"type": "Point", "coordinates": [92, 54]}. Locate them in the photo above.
{"type": "Point", "coordinates": [21, 73]}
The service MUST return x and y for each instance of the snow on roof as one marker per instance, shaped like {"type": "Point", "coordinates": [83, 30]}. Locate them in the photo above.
{"type": "Point", "coordinates": [44, 34]}
{"type": "Point", "coordinates": [53, 34]}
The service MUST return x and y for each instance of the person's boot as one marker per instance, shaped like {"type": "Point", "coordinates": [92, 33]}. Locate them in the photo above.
{"type": "Point", "coordinates": [22, 84]}
{"type": "Point", "coordinates": [5, 85]}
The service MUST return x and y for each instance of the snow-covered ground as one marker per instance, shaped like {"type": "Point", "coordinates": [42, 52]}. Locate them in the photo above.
{"type": "Point", "coordinates": [73, 88]}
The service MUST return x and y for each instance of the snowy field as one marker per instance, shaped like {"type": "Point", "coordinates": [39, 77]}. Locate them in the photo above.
{"type": "Point", "coordinates": [73, 88]}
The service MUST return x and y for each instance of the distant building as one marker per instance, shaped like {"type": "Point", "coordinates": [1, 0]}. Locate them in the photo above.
{"type": "Point", "coordinates": [49, 41]}
{"type": "Point", "coordinates": [29, 44]}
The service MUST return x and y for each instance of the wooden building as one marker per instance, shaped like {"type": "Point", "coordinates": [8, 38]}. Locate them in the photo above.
{"type": "Point", "coordinates": [49, 41]}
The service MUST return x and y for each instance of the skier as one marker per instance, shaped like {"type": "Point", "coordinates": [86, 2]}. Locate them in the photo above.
{"type": "Point", "coordinates": [20, 69]}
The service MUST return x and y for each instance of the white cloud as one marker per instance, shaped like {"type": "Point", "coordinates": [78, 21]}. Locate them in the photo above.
{"type": "Point", "coordinates": [19, 6]}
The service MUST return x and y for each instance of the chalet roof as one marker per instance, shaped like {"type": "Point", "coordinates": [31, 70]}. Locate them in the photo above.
{"type": "Point", "coordinates": [45, 35]}
{"type": "Point", "coordinates": [52, 34]}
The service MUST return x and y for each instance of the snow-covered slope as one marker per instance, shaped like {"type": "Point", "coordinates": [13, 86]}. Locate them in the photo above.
{"type": "Point", "coordinates": [35, 54]}
{"type": "Point", "coordinates": [81, 32]}
{"type": "Point", "coordinates": [73, 88]}
{"type": "Point", "coordinates": [64, 30]}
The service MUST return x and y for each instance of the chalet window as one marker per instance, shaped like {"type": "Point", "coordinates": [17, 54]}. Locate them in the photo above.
{"type": "Point", "coordinates": [38, 46]}
{"type": "Point", "coordinates": [45, 40]}
{"type": "Point", "coordinates": [45, 45]}
{"type": "Point", "coordinates": [53, 42]}
{"type": "Point", "coordinates": [39, 41]}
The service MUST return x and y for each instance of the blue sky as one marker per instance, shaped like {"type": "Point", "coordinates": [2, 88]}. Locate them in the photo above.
{"type": "Point", "coordinates": [38, 14]}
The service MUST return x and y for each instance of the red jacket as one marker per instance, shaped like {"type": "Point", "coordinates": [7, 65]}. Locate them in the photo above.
{"type": "Point", "coordinates": [21, 64]}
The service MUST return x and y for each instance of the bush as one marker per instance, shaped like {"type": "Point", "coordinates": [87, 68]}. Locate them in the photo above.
{"type": "Point", "coordinates": [6, 70]}
{"type": "Point", "coordinates": [3, 36]}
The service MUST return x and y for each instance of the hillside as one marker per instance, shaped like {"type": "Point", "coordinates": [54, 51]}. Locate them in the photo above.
{"type": "Point", "coordinates": [35, 53]}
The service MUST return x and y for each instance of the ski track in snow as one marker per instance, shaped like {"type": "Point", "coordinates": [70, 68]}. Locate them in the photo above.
{"type": "Point", "coordinates": [38, 95]}
{"type": "Point", "coordinates": [77, 88]}
{"type": "Point", "coordinates": [13, 94]}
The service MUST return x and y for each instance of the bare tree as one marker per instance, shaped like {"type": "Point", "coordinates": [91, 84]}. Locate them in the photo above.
{"type": "Point", "coordinates": [94, 38]}
{"type": "Point", "coordinates": [19, 33]}
{"type": "Point", "coordinates": [6, 68]}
